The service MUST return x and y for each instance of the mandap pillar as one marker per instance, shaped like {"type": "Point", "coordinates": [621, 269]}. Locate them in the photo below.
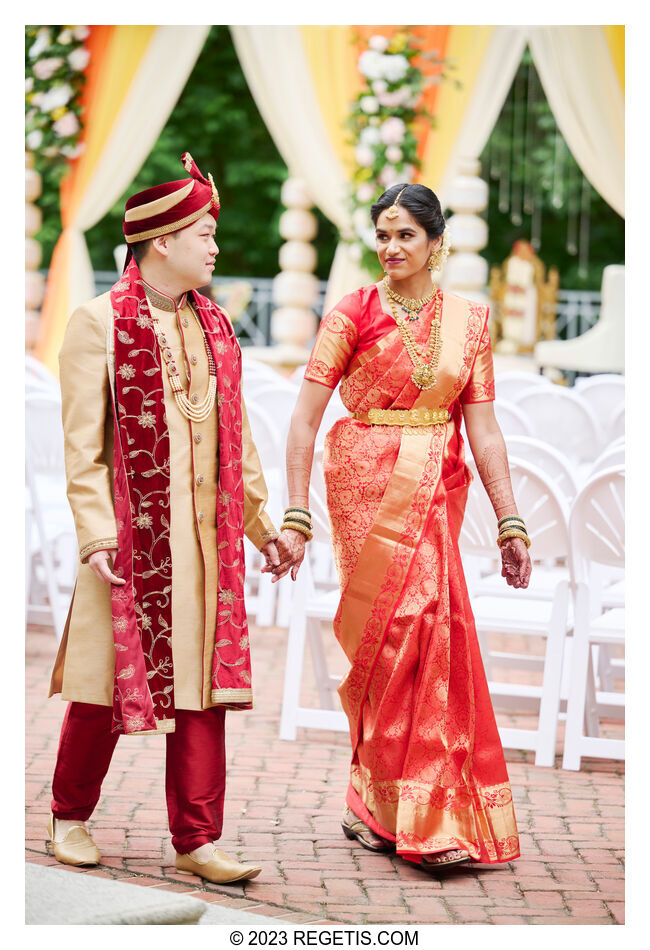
{"type": "Point", "coordinates": [34, 281]}
{"type": "Point", "coordinates": [466, 272]}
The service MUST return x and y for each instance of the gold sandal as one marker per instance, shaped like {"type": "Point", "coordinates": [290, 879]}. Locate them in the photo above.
{"type": "Point", "coordinates": [462, 857]}
{"type": "Point", "coordinates": [357, 830]}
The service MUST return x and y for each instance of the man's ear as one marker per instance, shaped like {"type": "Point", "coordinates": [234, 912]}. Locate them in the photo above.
{"type": "Point", "coordinates": [161, 245]}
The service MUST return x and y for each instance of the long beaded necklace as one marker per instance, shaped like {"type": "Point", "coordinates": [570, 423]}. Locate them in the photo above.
{"type": "Point", "coordinates": [195, 412]}
{"type": "Point", "coordinates": [412, 306]}
{"type": "Point", "coordinates": [424, 374]}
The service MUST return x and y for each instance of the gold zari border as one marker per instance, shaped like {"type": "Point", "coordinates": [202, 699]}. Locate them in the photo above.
{"type": "Point", "coordinates": [103, 544]}
{"type": "Point", "coordinates": [167, 228]}
{"type": "Point", "coordinates": [222, 696]}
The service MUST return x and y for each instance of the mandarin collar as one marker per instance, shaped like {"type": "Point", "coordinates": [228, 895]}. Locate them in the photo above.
{"type": "Point", "coordinates": [162, 301]}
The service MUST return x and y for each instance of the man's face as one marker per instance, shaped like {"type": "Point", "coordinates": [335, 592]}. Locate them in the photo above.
{"type": "Point", "coordinates": [192, 253]}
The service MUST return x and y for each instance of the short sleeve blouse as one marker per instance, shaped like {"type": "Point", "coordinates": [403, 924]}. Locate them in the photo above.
{"type": "Point", "coordinates": [335, 343]}
{"type": "Point", "coordinates": [480, 385]}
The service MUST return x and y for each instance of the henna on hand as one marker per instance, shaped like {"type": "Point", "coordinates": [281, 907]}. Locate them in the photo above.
{"type": "Point", "coordinates": [494, 471]}
{"type": "Point", "coordinates": [299, 462]}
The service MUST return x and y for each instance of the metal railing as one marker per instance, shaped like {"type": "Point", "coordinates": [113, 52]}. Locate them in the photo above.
{"type": "Point", "coordinates": [577, 310]}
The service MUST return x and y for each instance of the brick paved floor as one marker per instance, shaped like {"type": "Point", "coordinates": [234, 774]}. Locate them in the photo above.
{"type": "Point", "coordinates": [283, 805]}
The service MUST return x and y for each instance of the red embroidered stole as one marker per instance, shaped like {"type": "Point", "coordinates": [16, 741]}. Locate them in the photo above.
{"type": "Point", "coordinates": [143, 698]}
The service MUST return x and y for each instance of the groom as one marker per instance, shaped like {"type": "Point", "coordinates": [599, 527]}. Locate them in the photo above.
{"type": "Point", "coordinates": [163, 480]}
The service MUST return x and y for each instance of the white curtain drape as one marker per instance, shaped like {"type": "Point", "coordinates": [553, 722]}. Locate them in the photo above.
{"type": "Point", "coordinates": [582, 88]}
{"type": "Point", "coordinates": [276, 69]}
{"type": "Point", "coordinates": [158, 83]}
{"type": "Point", "coordinates": [493, 82]}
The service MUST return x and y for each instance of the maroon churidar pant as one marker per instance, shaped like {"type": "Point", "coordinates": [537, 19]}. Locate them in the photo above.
{"type": "Point", "coordinates": [195, 773]}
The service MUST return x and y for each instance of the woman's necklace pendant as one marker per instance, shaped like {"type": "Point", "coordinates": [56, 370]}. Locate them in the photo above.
{"type": "Point", "coordinates": [424, 376]}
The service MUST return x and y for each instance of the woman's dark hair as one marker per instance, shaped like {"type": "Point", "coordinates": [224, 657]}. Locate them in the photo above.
{"type": "Point", "coordinates": [420, 202]}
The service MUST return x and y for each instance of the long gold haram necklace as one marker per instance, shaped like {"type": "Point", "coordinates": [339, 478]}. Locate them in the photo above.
{"type": "Point", "coordinates": [424, 374]}
{"type": "Point", "coordinates": [198, 412]}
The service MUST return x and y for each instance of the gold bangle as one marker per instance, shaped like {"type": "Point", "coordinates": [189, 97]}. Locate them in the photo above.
{"type": "Point", "coordinates": [303, 511]}
{"type": "Point", "coordinates": [510, 518]}
{"type": "Point", "coordinates": [295, 526]}
{"type": "Point", "coordinates": [513, 533]}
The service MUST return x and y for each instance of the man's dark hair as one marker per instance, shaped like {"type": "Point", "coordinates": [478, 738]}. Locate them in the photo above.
{"type": "Point", "coordinates": [139, 249]}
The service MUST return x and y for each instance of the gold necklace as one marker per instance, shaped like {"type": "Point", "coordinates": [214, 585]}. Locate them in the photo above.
{"type": "Point", "coordinates": [194, 411]}
{"type": "Point", "coordinates": [424, 374]}
{"type": "Point", "coordinates": [412, 305]}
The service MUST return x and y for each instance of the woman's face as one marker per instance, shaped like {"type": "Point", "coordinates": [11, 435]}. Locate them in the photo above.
{"type": "Point", "coordinates": [402, 244]}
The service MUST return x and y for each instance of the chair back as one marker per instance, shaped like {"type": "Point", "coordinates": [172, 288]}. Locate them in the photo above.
{"type": "Point", "coordinates": [277, 400]}
{"type": "Point", "coordinates": [511, 419]}
{"type": "Point", "coordinates": [545, 456]}
{"type": "Point", "coordinates": [563, 419]}
{"type": "Point", "coordinates": [318, 500]}
{"type": "Point", "coordinates": [44, 434]}
{"type": "Point", "coordinates": [37, 375]}
{"type": "Point", "coordinates": [597, 523]}
{"type": "Point", "coordinates": [266, 437]}
{"type": "Point", "coordinates": [605, 394]}
{"type": "Point", "coordinates": [611, 457]}
{"type": "Point", "coordinates": [511, 384]}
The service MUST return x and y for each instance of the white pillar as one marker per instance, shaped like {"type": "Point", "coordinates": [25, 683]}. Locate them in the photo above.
{"type": "Point", "coordinates": [466, 272]}
{"type": "Point", "coordinates": [34, 282]}
{"type": "Point", "coordinates": [295, 289]}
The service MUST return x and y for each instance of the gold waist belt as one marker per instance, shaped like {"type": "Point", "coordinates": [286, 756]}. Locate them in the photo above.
{"type": "Point", "coordinates": [403, 417]}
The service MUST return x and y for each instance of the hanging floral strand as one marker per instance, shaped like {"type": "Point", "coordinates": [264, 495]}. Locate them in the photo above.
{"type": "Point", "coordinates": [55, 60]}
{"type": "Point", "coordinates": [382, 120]}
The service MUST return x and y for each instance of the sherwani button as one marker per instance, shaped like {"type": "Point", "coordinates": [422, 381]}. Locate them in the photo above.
{"type": "Point", "coordinates": [195, 398]}
{"type": "Point", "coordinates": [194, 359]}
{"type": "Point", "coordinates": [198, 437]}
{"type": "Point", "coordinates": [185, 322]}
{"type": "Point", "coordinates": [200, 516]}
{"type": "Point", "coordinates": [199, 479]}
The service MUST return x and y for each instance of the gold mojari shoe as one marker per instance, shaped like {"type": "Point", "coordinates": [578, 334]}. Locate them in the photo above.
{"type": "Point", "coordinates": [220, 869]}
{"type": "Point", "coordinates": [77, 848]}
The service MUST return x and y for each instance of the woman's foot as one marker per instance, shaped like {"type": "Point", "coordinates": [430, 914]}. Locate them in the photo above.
{"type": "Point", "coordinates": [355, 829]}
{"type": "Point", "coordinates": [445, 858]}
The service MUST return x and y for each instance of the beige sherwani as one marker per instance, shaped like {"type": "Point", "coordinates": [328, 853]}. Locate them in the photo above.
{"type": "Point", "coordinates": [85, 664]}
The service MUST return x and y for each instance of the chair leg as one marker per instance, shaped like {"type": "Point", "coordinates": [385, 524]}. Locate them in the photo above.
{"type": "Point", "coordinates": [549, 708]}
{"type": "Point", "coordinates": [314, 631]}
{"type": "Point", "coordinates": [578, 682]}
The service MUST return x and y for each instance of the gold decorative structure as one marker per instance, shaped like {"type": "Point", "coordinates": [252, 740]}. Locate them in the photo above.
{"type": "Point", "coordinates": [523, 301]}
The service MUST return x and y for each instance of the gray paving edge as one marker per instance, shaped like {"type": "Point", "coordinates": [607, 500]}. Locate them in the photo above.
{"type": "Point", "coordinates": [56, 896]}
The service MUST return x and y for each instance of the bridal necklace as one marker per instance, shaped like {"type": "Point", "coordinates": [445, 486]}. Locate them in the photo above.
{"type": "Point", "coordinates": [425, 361]}
{"type": "Point", "coordinates": [191, 408]}
{"type": "Point", "coordinates": [412, 306]}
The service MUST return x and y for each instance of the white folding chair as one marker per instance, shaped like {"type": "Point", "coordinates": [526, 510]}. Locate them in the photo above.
{"type": "Point", "coordinates": [611, 457]}
{"type": "Point", "coordinates": [559, 416]}
{"type": "Point", "coordinates": [605, 394]}
{"type": "Point", "coordinates": [277, 400]}
{"type": "Point", "coordinates": [512, 421]}
{"type": "Point", "coordinates": [51, 542]}
{"type": "Point", "coordinates": [510, 384]}
{"type": "Point", "coordinates": [256, 374]}
{"type": "Point", "coordinates": [312, 606]}
{"type": "Point", "coordinates": [541, 611]}
{"type": "Point", "coordinates": [298, 375]}
{"type": "Point", "coordinates": [38, 376]}
{"type": "Point", "coordinates": [596, 539]}
{"type": "Point", "coordinates": [555, 463]}
{"type": "Point", "coordinates": [617, 424]}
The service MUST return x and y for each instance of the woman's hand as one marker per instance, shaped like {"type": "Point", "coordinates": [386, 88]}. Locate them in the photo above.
{"type": "Point", "coordinates": [99, 565]}
{"type": "Point", "coordinates": [515, 562]}
{"type": "Point", "coordinates": [291, 551]}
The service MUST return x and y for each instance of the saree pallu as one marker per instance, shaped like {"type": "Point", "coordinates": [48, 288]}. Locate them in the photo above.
{"type": "Point", "coordinates": [427, 769]}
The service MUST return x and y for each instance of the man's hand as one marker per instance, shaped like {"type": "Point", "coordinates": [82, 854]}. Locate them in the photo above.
{"type": "Point", "coordinates": [284, 554]}
{"type": "Point", "coordinates": [99, 565]}
{"type": "Point", "coordinates": [515, 562]}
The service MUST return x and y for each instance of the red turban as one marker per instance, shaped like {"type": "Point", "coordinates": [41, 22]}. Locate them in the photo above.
{"type": "Point", "coordinates": [172, 206]}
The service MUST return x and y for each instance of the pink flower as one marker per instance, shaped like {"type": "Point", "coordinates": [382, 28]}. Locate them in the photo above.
{"type": "Point", "coordinates": [392, 131]}
{"type": "Point", "coordinates": [364, 155]}
{"type": "Point", "coordinates": [388, 176]}
{"type": "Point", "coordinates": [45, 68]}
{"type": "Point", "coordinates": [392, 100]}
{"type": "Point", "coordinates": [394, 153]}
{"type": "Point", "coordinates": [378, 43]}
{"type": "Point", "coordinates": [67, 125]}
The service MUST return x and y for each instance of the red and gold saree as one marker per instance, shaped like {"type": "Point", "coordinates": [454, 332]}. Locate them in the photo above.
{"type": "Point", "coordinates": [427, 769]}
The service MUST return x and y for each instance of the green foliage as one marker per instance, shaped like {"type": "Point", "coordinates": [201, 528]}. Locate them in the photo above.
{"type": "Point", "coordinates": [543, 171]}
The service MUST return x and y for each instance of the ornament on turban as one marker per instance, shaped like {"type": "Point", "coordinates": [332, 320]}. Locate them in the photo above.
{"type": "Point", "coordinates": [171, 206]}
